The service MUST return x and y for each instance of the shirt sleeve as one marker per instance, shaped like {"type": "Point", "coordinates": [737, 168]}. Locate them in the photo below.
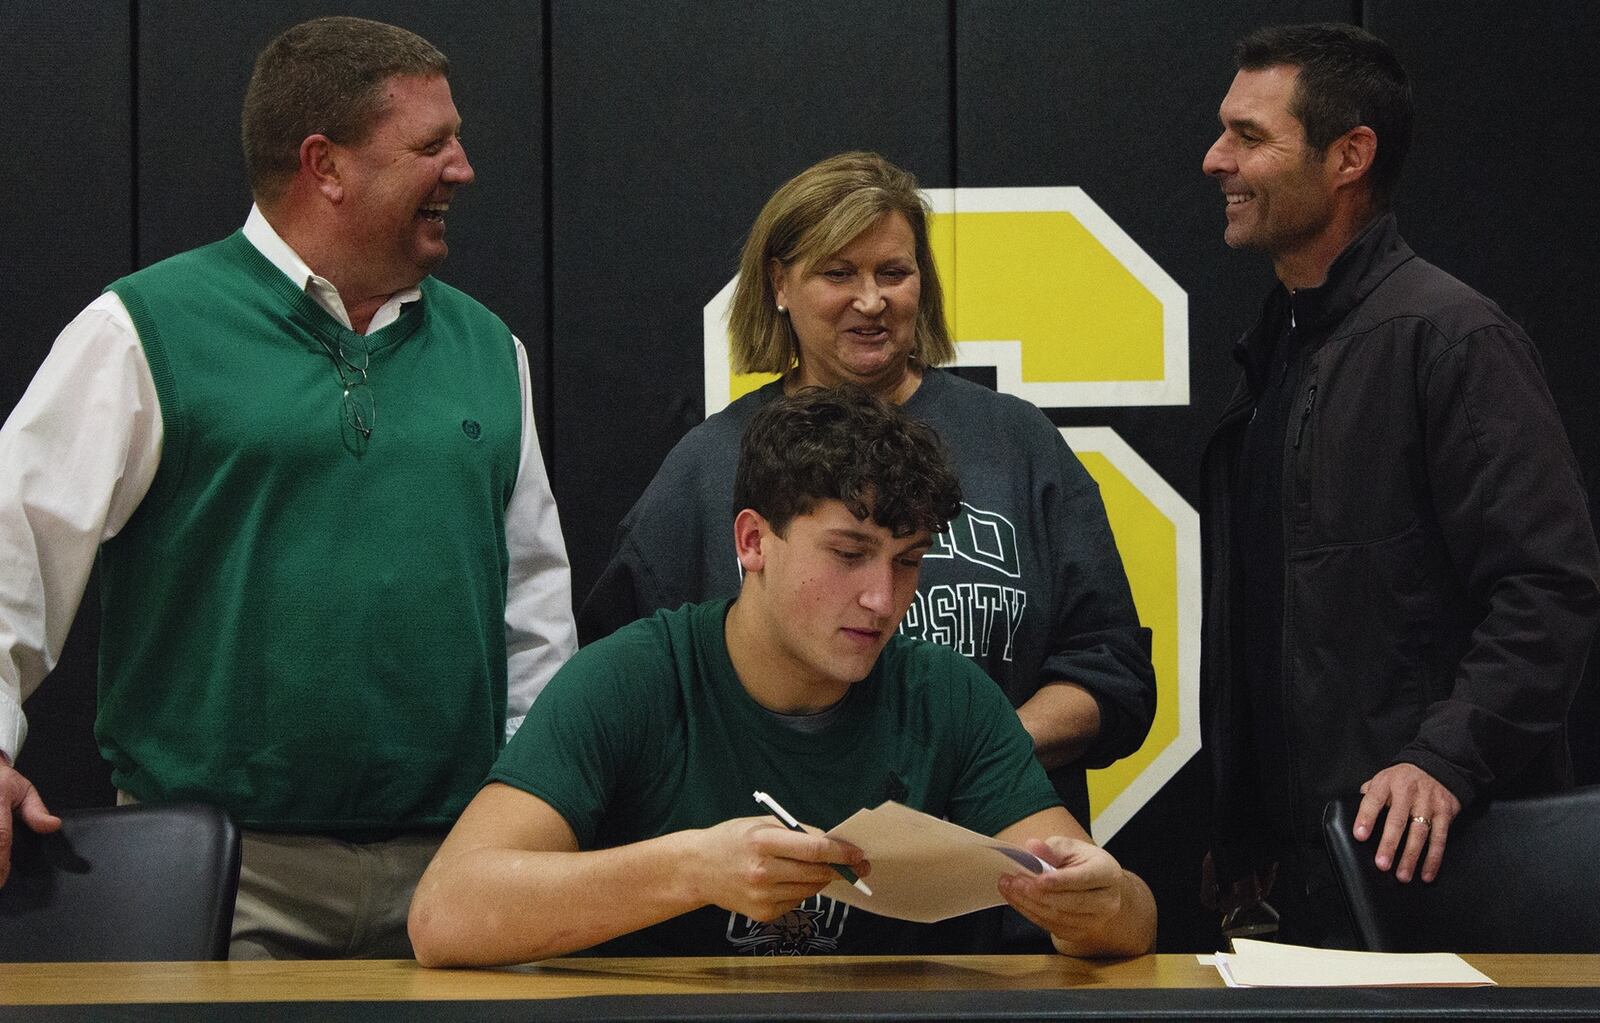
{"type": "Point", "coordinates": [540, 634]}
{"type": "Point", "coordinates": [77, 455]}
{"type": "Point", "coordinates": [615, 599]}
{"type": "Point", "coordinates": [588, 732]}
{"type": "Point", "coordinates": [1000, 781]}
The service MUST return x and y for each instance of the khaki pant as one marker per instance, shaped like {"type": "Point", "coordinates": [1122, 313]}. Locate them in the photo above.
{"type": "Point", "coordinates": [315, 897]}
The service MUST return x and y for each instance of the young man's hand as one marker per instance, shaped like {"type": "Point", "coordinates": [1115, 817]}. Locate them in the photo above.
{"type": "Point", "coordinates": [757, 867]}
{"type": "Point", "coordinates": [1077, 900]}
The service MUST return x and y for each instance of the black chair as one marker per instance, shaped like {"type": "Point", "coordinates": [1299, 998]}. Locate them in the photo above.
{"type": "Point", "coordinates": [122, 884]}
{"type": "Point", "coordinates": [1519, 875]}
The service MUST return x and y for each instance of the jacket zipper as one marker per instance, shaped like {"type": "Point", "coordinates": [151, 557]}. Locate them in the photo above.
{"type": "Point", "coordinates": [1305, 415]}
{"type": "Point", "coordinates": [1308, 371]}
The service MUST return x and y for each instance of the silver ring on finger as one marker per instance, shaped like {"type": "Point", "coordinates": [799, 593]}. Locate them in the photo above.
{"type": "Point", "coordinates": [1421, 821]}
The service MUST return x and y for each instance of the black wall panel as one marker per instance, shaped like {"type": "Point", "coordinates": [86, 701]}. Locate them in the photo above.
{"type": "Point", "coordinates": [194, 62]}
{"type": "Point", "coordinates": [1499, 189]}
{"type": "Point", "coordinates": [670, 129]}
{"type": "Point", "coordinates": [65, 185]}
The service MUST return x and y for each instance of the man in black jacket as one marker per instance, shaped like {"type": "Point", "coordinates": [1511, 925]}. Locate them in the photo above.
{"type": "Point", "coordinates": [1402, 577]}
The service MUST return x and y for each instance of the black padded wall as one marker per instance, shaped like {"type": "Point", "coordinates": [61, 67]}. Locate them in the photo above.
{"type": "Point", "coordinates": [66, 184]}
{"type": "Point", "coordinates": [668, 133]}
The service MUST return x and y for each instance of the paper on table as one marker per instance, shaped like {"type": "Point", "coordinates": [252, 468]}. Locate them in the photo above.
{"type": "Point", "coordinates": [923, 868]}
{"type": "Point", "coordinates": [1270, 964]}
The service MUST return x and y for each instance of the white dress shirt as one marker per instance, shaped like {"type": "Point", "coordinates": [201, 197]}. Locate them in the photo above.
{"type": "Point", "coordinates": [81, 448]}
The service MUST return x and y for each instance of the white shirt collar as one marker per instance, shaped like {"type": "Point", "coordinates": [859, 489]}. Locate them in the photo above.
{"type": "Point", "coordinates": [261, 234]}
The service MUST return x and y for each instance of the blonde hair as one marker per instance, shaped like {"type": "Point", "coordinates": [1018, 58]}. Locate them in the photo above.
{"type": "Point", "coordinates": [812, 216]}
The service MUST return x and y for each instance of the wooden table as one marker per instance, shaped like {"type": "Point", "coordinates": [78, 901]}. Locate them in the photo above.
{"type": "Point", "coordinates": [882, 987]}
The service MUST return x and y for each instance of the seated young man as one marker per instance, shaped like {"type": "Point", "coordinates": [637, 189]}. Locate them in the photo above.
{"type": "Point", "coordinates": [621, 813]}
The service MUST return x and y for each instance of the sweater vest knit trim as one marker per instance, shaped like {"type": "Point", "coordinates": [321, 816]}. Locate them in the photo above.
{"type": "Point", "coordinates": [303, 625]}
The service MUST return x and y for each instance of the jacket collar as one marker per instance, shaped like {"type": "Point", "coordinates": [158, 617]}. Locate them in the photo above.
{"type": "Point", "coordinates": [1370, 257]}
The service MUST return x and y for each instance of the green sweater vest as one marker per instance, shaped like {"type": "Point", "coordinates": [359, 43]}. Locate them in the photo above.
{"type": "Point", "coordinates": [300, 626]}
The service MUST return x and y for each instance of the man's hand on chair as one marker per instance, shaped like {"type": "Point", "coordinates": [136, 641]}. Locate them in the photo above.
{"type": "Point", "coordinates": [19, 797]}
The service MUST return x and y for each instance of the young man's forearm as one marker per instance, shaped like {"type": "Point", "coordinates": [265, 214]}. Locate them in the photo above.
{"type": "Point", "coordinates": [492, 906]}
{"type": "Point", "coordinates": [1063, 720]}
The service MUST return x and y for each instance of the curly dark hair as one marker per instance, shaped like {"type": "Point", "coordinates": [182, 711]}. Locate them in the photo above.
{"type": "Point", "coordinates": [1348, 77]}
{"type": "Point", "coordinates": [841, 443]}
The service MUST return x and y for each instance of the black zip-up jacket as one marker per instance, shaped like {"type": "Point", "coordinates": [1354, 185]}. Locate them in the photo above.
{"type": "Point", "coordinates": [1441, 583]}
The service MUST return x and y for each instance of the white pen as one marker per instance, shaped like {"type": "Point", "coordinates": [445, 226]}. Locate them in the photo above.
{"type": "Point", "coordinates": [794, 825]}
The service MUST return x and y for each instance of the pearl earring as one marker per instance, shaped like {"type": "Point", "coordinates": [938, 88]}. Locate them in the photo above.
{"type": "Point", "coordinates": [782, 309]}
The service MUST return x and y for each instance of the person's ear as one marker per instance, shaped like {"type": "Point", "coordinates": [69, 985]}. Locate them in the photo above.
{"type": "Point", "coordinates": [750, 531]}
{"type": "Point", "coordinates": [319, 162]}
{"type": "Point", "coordinates": [1352, 154]}
{"type": "Point", "coordinates": [776, 274]}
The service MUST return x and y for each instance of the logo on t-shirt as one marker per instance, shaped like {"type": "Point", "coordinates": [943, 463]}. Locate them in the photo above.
{"type": "Point", "coordinates": [813, 928]}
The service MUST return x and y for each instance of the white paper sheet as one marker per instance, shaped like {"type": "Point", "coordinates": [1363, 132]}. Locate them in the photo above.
{"type": "Point", "coordinates": [1270, 964]}
{"type": "Point", "coordinates": [923, 868]}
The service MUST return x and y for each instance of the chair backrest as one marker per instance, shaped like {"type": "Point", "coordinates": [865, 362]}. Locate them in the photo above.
{"type": "Point", "coordinates": [122, 884]}
{"type": "Point", "coordinates": [1519, 875]}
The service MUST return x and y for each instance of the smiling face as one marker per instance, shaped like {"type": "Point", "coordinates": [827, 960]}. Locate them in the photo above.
{"type": "Point", "coordinates": [1279, 192]}
{"type": "Point", "coordinates": [854, 313]}
{"type": "Point", "coordinates": [819, 603]}
{"type": "Point", "coordinates": [398, 183]}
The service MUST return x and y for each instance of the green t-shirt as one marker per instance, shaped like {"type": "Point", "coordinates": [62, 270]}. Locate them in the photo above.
{"type": "Point", "coordinates": [649, 731]}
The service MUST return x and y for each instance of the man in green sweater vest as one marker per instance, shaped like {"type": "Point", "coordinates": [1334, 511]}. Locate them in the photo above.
{"type": "Point", "coordinates": [332, 575]}
{"type": "Point", "coordinates": [621, 815]}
